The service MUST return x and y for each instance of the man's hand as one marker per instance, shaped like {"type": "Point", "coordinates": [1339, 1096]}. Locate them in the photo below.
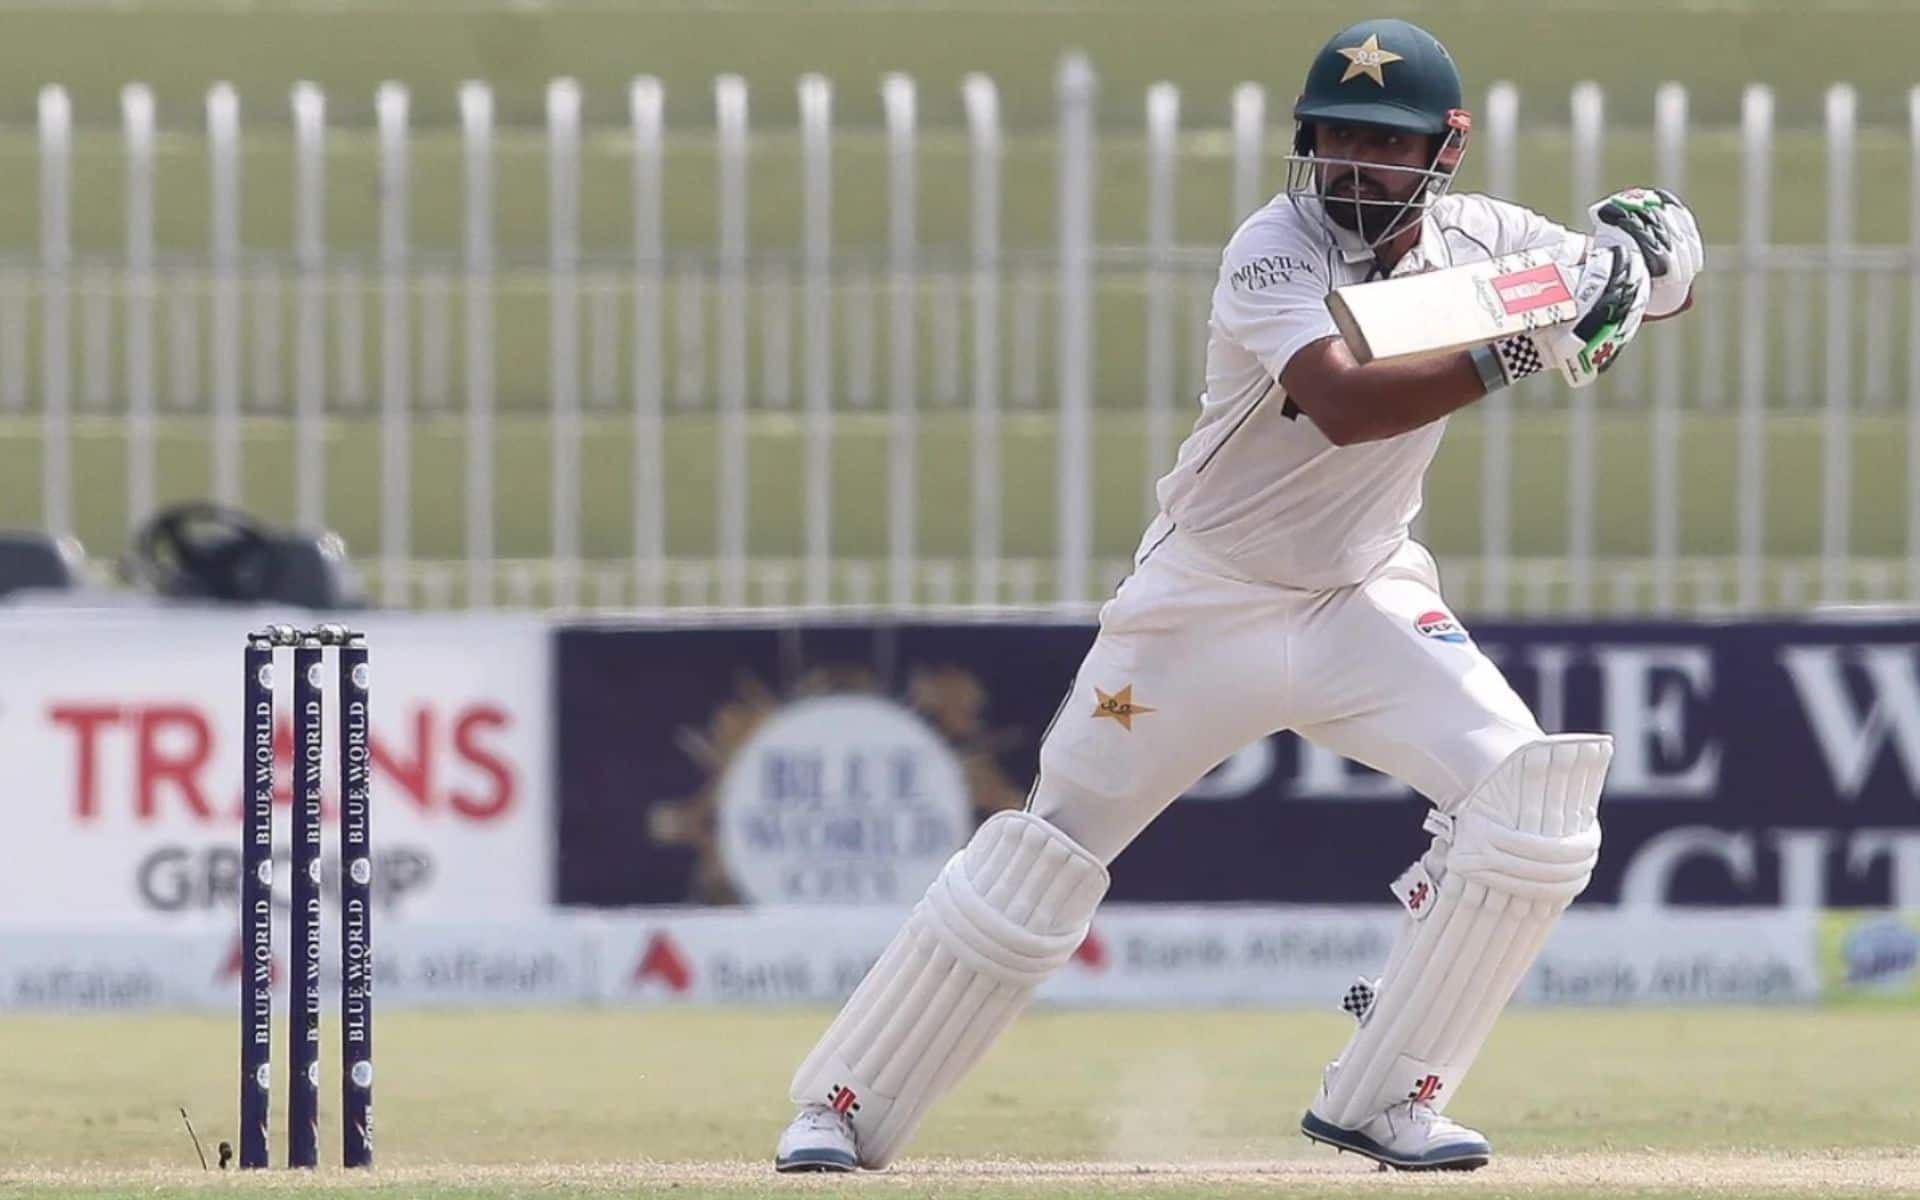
{"type": "Point", "coordinates": [1664, 231]}
{"type": "Point", "coordinates": [1612, 293]}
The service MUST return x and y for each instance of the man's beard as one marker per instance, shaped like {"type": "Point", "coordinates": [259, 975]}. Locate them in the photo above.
{"type": "Point", "coordinates": [1371, 220]}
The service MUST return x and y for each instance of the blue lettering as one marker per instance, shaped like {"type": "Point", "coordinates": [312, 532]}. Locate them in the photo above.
{"type": "Point", "coordinates": [905, 766]}
{"type": "Point", "coordinates": [792, 777]}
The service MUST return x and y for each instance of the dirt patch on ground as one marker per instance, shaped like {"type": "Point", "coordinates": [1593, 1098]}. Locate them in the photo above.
{"type": "Point", "coordinates": [1730, 1174]}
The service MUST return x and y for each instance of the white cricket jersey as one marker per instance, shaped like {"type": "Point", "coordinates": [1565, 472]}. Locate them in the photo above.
{"type": "Point", "coordinates": [1256, 484]}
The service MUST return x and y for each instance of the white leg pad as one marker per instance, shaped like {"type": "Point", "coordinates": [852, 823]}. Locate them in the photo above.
{"type": "Point", "coordinates": [1007, 911]}
{"type": "Point", "coordinates": [1509, 861]}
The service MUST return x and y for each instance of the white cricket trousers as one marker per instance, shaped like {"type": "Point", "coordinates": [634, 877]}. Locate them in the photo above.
{"type": "Point", "coordinates": [1193, 662]}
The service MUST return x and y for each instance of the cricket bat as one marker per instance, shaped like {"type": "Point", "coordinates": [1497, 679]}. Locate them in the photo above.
{"type": "Point", "coordinates": [1455, 308]}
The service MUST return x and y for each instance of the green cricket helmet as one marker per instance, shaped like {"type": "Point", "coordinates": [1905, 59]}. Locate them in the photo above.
{"type": "Point", "coordinates": [1388, 74]}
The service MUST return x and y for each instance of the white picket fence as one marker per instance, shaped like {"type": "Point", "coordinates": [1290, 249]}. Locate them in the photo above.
{"type": "Point", "coordinates": [1006, 321]}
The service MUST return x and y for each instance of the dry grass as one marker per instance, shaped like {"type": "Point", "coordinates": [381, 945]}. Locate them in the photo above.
{"type": "Point", "coordinates": [1543, 1176]}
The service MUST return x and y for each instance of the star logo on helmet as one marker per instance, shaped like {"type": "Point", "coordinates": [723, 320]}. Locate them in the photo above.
{"type": "Point", "coordinates": [1366, 59]}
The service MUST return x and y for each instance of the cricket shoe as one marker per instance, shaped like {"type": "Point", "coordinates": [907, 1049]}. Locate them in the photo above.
{"type": "Point", "coordinates": [1410, 1136]}
{"type": "Point", "coordinates": [819, 1139]}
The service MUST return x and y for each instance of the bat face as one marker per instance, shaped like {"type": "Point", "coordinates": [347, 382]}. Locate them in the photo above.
{"type": "Point", "coordinates": [1453, 309]}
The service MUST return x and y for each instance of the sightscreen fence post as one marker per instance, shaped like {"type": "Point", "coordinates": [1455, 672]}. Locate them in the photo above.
{"type": "Point", "coordinates": [563, 334]}
{"type": "Point", "coordinates": [137, 121]}
{"type": "Point", "coordinates": [1837, 420]}
{"type": "Point", "coordinates": [983, 134]}
{"type": "Point", "coordinates": [1496, 411]}
{"type": "Point", "coordinates": [1756, 188]}
{"type": "Point", "coordinates": [396, 348]}
{"type": "Point", "coordinates": [223, 227]}
{"type": "Point", "coordinates": [476, 124]}
{"type": "Point", "coordinates": [816, 316]}
{"type": "Point", "coordinates": [1075, 92]}
{"type": "Point", "coordinates": [303, 1010]}
{"type": "Point", "coordinates": [310, 289]}
{"type": "Point", "coordinates": [1589, 132]}
{"type": "Point", "coordinates": [256, 906]}
{"type": "Point", "coordinates": [356, 909]}
{"type": "Point", "coordinates": [56, 263]}
{"type": "Point", "coordinates": [731, 470]}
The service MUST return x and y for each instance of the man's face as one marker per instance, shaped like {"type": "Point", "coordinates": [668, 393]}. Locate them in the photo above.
{"type": "Point", "coordinates": [1387, 189]}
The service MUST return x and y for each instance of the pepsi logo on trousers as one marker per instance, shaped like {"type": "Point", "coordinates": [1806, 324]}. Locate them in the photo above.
{"type": "Point", "coordinates": [1440, 626]}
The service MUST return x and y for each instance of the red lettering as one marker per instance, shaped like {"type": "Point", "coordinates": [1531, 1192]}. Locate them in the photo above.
{"type": "Point", "coordinates": [174, 744]}
{"type": "Point", "coordinates": [466, 742]}
{"type": "Point", "coordinates": [85, 720]}
{"type": "Point", "coordinates": [282, 764]}
{"type": "Point", "coordinates": [415, 777]}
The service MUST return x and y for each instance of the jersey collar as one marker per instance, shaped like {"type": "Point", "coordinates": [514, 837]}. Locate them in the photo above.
{"type": "Point", "coordinates": [1428, 254]}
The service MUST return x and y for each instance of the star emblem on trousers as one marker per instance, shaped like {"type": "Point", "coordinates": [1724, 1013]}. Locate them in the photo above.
{"type": "Point", "coordinates": [1118, 706]}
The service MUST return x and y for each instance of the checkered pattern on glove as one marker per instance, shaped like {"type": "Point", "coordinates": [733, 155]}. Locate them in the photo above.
{"type": "Point", "coordinates": [1359, 998]}
{"type": "Point", "coordinates": [1519, 357]}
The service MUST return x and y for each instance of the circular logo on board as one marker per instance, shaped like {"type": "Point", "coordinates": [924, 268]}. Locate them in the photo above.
{"type": "Point", "coordinates": [313, 871]}
{"type": "Point", "coordinates": [360, 675]}
{"type": "Point", "coordinates": [841, 799]}
{"type": "Point", "coordinates": [313, 1074]}
{"type": "Point", "coordinates": [315, 676]}
{"type": "Point", "coordinates": [1882, 953]}
{"type": "Point", "coordinates": [362, 1074]}
{"type": "Point", "coordinates": [265, 676]}
{"type": "Point", "coordinates": [263, 1076]}
{"type": "Point", "coordinates": [360, 871]}
{"type": "Point", "coordinates": [264, 872]}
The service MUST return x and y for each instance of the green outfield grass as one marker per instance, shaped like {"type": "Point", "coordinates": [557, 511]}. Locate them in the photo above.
{"type": "Point", "coordinates": [1180, 1104]}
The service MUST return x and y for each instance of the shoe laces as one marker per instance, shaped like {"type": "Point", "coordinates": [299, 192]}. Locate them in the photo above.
{"type": "Point", "coordinates": [821, 1117]}
{"type": "Point", "coordinates": [1421, 1112]}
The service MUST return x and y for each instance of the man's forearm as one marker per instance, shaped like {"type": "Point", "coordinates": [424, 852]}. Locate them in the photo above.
{"type": "Point", "coordinates": [1353, 403]}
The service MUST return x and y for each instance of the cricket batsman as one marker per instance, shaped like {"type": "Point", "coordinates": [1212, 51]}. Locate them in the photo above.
{"type": "Point", "coordinates": [1278, 588]}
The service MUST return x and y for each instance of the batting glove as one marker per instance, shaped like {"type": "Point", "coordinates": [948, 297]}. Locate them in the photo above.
{"type": "Point", "coordinates": [1664, 231]}
{"type": "Point", "coordinates": [1612, 295]}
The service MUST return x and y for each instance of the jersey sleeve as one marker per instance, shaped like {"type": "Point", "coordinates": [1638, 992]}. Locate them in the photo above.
{"type": "Point", "coordinates": [1520, 228]}
{"type": "Point", "coordinates": [1272, 300]}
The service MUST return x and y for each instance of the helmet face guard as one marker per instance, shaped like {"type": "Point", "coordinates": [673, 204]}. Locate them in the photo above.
{"type": "Point", "coordinates": [1340, 190]}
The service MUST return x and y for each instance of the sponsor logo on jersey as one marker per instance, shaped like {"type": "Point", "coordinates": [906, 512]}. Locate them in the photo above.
{"type": "Point", "coordinates": [1440, 626]}
{"type": "Point", "coordinates": [1263, 272]}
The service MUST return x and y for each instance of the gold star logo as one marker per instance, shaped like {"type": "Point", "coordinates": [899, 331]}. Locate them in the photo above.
{"type": "Point", "coordinates": [1366, 59]}
{"type": "Point", "coordinates": [1118, 706]}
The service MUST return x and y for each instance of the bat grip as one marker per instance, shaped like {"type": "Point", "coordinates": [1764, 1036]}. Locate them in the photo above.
{"type": "Point", "coordinates": [1486, 360]}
